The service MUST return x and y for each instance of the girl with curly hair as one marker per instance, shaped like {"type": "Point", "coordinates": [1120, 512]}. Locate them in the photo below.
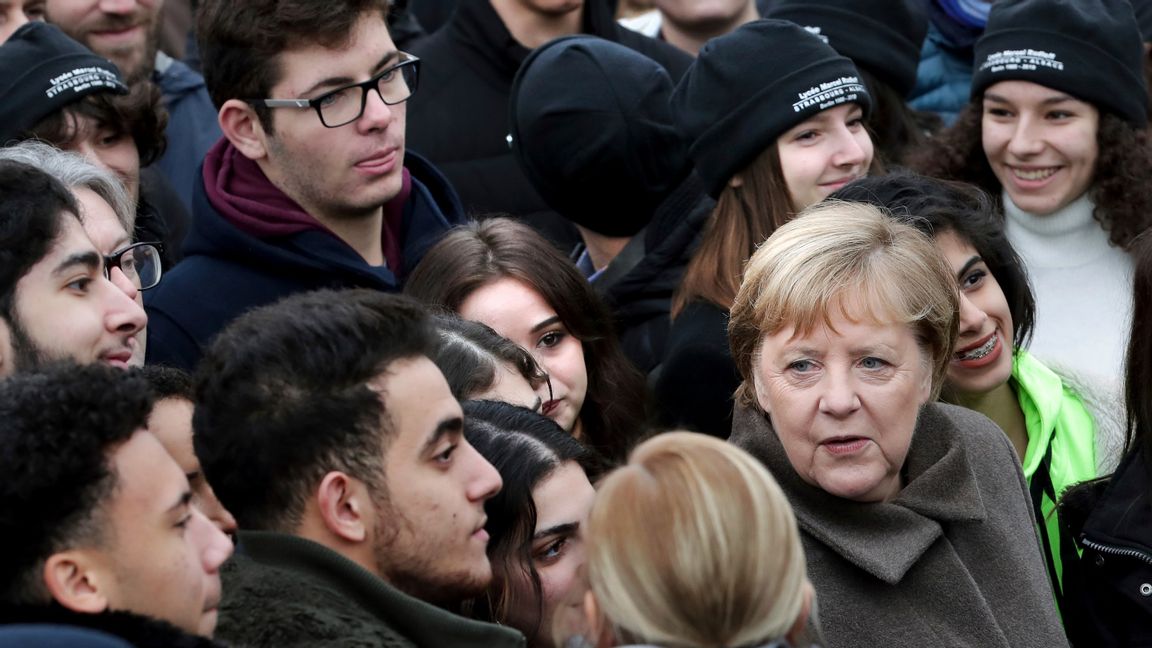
{"type": "Point", "coordinates": [1057, 128]}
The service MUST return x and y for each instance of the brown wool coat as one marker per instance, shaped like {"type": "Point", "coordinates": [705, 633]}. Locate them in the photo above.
{"type": "Point", "coordinates": [954, 560]}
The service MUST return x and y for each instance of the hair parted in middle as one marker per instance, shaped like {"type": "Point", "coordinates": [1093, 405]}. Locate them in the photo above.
{"type": "Point", "coordinates": [474, 255]}
{"type": "Point", "coordinates": [855, 259]}
{"type": "Point", "coordinates": [526, 448]}
{"type": "Point", "coordinates": [693, 544]}
{"type": "Point", "coordinates": [282, 398]}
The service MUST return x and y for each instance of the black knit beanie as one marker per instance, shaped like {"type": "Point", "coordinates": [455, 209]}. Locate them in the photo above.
{"type": "Point", "coordinates": [748, 87]}
{"type": "Point", "coordinates": [42, 71]}
{"type": "Point", "coordinates": [592, 131]}
{"type": "Point", "coordinates": [1090, 49]}
{"type": "Point", "coordinates": [883, 37]}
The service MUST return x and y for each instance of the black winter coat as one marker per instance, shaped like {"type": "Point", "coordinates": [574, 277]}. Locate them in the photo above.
{"type": "Point", "coordinates": [459, 118]}
{"type": "Point", "coordinates": [136, 630]}
{"type": "Point", "coordinates": [1108, 592]}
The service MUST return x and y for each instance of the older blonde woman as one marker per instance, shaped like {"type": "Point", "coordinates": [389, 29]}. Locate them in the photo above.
{"type": "Point", "coordinates": [692, 544]}
{"type": "Point", "coordinates": [914, 514]}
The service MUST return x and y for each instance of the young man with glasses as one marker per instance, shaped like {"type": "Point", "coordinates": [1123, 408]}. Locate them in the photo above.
{"type": "Point", "coordinates": [311, 186]}
{"type": "Point", "coordinates": [60, 297]}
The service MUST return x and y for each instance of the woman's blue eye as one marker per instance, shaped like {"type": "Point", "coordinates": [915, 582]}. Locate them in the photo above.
{"type": "Point", "coordinates": [872, 363]}
{"type": "Point", "coordinates": [801, 365]}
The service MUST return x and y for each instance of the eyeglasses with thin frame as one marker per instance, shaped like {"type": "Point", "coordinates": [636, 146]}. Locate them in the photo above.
{"type": "Point", "coordinates": [395, 84]}
{"type": "Point", "coordinates": [140, 262]}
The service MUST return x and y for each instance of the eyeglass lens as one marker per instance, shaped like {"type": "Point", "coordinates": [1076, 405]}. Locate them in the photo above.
{"type": "Point", "coordinates": [141, 264]}
{"type": "Point", "coordinates": [346, 105]}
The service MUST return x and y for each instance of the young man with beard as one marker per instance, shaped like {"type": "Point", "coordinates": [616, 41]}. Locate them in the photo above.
{"type": "Point", "coordinates": [60, 298]}
{"type": "Point", "coordinates": [96, 523]}
{"type": "Point", "coordinates": [335, 442]}
{"type": "Point", "coordinates": [127, 32]}
{"type": "Point", "coordinates": [311, 186]}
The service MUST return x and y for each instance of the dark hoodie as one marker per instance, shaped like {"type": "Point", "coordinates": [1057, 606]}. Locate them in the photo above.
{"type": "Point", "coordinates": [134, 629]}
{"type": "Point", "coordinates": [592, 131]}
{"type": "Point", "coordinates": [250, 245]}
{"type": "Point", "coordinates": [459, 117]}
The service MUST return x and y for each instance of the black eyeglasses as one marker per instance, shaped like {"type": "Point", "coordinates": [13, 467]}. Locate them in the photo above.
{"type": "Point", "coordinates": [395, 85]}
{"type": "Point", "coordinates": [140, 262]}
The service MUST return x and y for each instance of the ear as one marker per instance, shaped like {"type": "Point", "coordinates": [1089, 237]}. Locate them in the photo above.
{"type": "Point", "coordinates": [75, 581]}
{"type": "Point", "coordinates": [243, 129]}
{"type": "Point", "coordinates": [344, 506]}
{"type": "Point", "coordinates": [7, 367]}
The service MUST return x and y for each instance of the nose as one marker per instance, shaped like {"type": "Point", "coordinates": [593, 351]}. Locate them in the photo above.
{"type": "Point", "coordinates": [211, 506]}
{"type": "Point", "coordinates": [123, 314]}
{"type": "Point", "coordinates": [839, 398]}
{"type": "Point", "coordinates": [214, 546]}
{"type": "Point", "coordinates": [852, 149]}
{"type": "Point", "coordinates": [971, 318]}
{"type": "Point", "coordinates": [377, 114]}
{"type": "Point", "coordinates": [1026, 140]}
{"type": "Point", "coordinates": [484, 480]}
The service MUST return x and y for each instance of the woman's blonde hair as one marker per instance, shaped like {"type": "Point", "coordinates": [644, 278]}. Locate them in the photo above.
{"type": "Point", "coordinates": [852, 257]}
{"type": "Point", "coordinates": [693, 543]}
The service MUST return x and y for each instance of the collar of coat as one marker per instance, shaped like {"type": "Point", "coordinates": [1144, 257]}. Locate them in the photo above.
{"type": "Point", "coordinates": [135, 629]}
{"type": "Point", "coordinates": [884, 538]}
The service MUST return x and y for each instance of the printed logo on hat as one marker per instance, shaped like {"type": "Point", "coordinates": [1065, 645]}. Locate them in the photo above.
{"type": "Point", "coordinates": [815, 30]}
{"type": "Point", "coordinates": [830, 93]}
{"type": "Point", "coordinates": [82, 79]}
{"type": "Point", "coordinates": [1021, 60]}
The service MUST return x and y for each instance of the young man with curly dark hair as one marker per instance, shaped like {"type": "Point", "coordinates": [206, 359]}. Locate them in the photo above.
{"type": "Point", "coordinates": [96, 520]}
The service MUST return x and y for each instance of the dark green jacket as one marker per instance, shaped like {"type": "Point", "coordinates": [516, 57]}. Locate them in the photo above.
{"type": "Point", "coordinates": [282, 591]}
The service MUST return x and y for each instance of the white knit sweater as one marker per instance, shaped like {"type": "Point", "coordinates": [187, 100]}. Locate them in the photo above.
{"type": "Point", "coordinates": [1083, 290]}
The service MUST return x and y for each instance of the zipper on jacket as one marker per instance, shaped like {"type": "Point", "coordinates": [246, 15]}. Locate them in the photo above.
{"type": "Point", "coordinates": [1117, 551]}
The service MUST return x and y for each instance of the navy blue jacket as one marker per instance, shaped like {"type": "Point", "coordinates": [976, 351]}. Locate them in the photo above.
{"type": "Point", "coordinates": [226, 271]}
{"type": "Point", "coordinates": [192, 125]}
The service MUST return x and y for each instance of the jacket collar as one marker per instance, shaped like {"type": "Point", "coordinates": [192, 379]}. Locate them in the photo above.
{"type": "Point", "coordinates": [884, 539]}
{"type": "Point", "coordinates": [1123, 516]}
{"type": "Point", "coordinates": [135, 629]}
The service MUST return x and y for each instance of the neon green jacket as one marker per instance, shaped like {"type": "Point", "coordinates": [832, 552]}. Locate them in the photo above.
{"type": "Point", "coordinates": [1061, 450]}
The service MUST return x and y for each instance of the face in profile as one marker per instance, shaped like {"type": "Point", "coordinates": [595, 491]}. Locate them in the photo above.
{"type": "Point", "coordinates": [518, 312]}
{"type": "Point", "coordinates": [160, 556]}
{"type": "Point", "coordinates": [823, 153]}
{"type": "Point", "coordinates": [563, 500]}
{"type": "Point", "coordinates": [171, 423]}
{"type": "Point", "coordinates": [843, 400]}
{"type": "Point", "coordinates": [64, 308]}
{"type": "Point", "coordinates": [107, 146]}
{"type": "Point", "coordinates": [1040, 143]}
{"type": "Point", "coordinates": [431, 541]}
{"type": "Point", "coordinates": [982, 361]}
{"type": "Point", "coordinates": [109, 237]}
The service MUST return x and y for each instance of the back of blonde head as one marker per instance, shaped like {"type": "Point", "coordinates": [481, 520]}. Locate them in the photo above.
{"type": "Point", "coordinates": [693, 544]}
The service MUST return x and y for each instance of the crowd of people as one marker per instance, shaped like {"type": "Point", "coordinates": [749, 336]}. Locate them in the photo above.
{"type": "Point", "coordinates": [569, 323]}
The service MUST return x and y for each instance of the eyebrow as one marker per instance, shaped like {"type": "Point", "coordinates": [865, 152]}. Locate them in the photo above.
{"type": "Point", "coordinates": [968, 265]}
{"type": "Point", "coordinates": [338, 82]}
{"type": "Point", "coordinates": [559, 529]}
{"type": "Point", "coordinates": [450, 426]}
{"type": "Point", "coordinates": [1061, 98]}
{"type": "Point", "coordinates": [555, 319]}
{"type": "Point", "coordinates": [89, 260]}
{"type": "Point", "coordinates": [185, 500]}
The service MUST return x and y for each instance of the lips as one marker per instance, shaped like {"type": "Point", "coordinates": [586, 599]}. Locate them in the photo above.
{"type": "Point", "coordinates": [1034, 174]}
{"type": "Point", "coordinates": [550, 407]}
{"type": "Point", "coordinates": [119, 358]}
{"type": "Point", "coordinates": [981, 353]}
{"type": "Point", "coordinates": [845, 445]}
{"type": "Point", "coordinates": [380, 163]}
{"type": "Point", "coordinates": [480, 533]}
{"type": "Point", "coordinates": [836, 184]}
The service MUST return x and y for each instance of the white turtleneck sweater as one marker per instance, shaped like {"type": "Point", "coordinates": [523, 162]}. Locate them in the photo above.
{"type": "Point", "coordinates": [1083, 290]}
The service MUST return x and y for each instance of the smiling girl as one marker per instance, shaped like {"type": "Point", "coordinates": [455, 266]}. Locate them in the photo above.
{"type": "Point", "coordinates": [1057, 128]}
{"type": "Point", "coordinates": [775, 120]}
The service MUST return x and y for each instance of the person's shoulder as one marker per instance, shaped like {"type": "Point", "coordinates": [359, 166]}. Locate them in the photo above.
{"type": "Point", "coordinates": [970, 427]}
